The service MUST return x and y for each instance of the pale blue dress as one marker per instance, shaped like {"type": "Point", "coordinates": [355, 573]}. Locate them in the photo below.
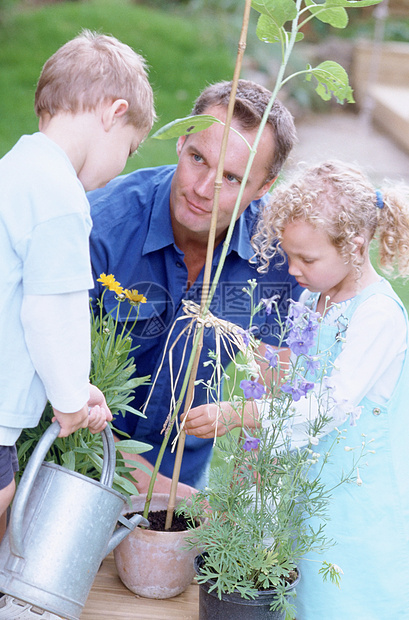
{"type": "Point", "coordinates": [370, 522]}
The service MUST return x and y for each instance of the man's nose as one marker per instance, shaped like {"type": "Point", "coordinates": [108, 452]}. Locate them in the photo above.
{"type": "Point", "coordinates": [204, 186]}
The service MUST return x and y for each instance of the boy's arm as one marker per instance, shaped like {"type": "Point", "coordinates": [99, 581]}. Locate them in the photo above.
{"type": "Point", "coordinates": [57, 335]}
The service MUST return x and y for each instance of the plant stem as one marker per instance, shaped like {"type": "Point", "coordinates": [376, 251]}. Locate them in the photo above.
{"type": "Point", "coordinates": [205, 301]}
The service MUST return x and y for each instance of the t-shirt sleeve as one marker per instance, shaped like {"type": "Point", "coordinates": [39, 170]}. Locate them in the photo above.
{"type": "Point", "coordinates": [56, 256]}
{"type": "Point", "coordinates": [57, 334]}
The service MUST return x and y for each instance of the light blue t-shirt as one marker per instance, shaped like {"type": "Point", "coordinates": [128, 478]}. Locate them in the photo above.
{"type": "Point", "coordinates": [44, 250]}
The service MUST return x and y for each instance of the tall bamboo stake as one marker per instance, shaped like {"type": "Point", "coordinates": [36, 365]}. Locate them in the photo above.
{"type": "Point", "coordinates": [205, 302]}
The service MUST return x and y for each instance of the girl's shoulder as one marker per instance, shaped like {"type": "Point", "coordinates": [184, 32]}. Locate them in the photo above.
{"type": "Point", "coordinates": [381, 298]}
{"type": "Point", "coordinates": [382, 317]}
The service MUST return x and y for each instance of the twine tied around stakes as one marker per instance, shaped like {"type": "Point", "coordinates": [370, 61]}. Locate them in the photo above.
{"type": "Point", "coordinates": [227, 335]}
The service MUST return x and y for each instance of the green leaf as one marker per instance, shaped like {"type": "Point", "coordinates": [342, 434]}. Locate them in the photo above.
{"type": "Point", "coordinates": [333, 11]}
{"type": "Point", "coordinates": [96, 460]}
{"type": "Point", "coordinates": [132, 446]}
{"type": "Point", "coordinates": [123, 407]}
{"type": "Point", "coordinates": [185, 126]}
{"type": "Point", "coordinates": [268, 31]}
{"type": "Point", "coordinates": [123, 484]}
{"type": "Point", "coordinates": [332, 79]}
{"type": "Point", "coordinates": [352, 4]}
{"type": "Point", "coordinates": [68, 460]}
{"type": "Point", "coordinates": [280, 11]}
{"type": "Point", "coordinates": [335, 16]}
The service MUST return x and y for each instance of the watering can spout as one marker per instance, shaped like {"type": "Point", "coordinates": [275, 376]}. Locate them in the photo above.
{"type": "Point", "coordinates": [128, 525]}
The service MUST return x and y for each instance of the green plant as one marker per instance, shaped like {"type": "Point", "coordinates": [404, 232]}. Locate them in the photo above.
{"type": "Point", "coordinates": [112, 370]}
{"type": "Point", "coordinates": [280, 22]}
{"type": "Point", "coordinates": [266, 505]}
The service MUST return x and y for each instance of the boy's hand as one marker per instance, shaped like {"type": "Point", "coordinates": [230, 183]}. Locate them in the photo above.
{"type": "Point", "coordinates": [71, 422]}
{"type": "Point", "coordinates": [97, 419]}
{"type": "Point", "coordinates": [94, 414]}
{"type": "Point", "coordinates": [97, 399]}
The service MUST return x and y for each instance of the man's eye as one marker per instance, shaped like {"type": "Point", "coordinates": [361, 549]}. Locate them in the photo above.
{"type": "Point", "coordinates": [231, 178]}
{"type": "Point", "coordinates": [197, 158]}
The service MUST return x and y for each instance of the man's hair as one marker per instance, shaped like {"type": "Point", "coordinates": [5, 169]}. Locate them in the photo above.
{"type": "Point", "coordinates": [91, 69]}
{"type": "Point", "coordinates": [249, 107]}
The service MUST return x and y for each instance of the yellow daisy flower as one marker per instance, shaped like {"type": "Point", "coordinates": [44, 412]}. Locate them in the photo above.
{"type": "Point", "coordinates": [111, 284]}
{"type": "Point", "coordinates": [134, 297]}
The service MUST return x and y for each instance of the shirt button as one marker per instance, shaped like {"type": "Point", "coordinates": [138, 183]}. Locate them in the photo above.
{"type": "Point", "coordinates": [178, 264]}
{"type": "Point", "coordinates": [376, 411]}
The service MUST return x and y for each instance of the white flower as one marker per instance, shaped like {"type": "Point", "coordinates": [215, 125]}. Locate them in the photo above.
{"type": "Point", "coordinates": [336, 569]}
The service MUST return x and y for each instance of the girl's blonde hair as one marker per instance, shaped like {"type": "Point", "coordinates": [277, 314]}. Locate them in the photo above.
{"type": "Point", "coordinates": [91, 69]}
{"type": "Point", "coordinates": [339, 198]}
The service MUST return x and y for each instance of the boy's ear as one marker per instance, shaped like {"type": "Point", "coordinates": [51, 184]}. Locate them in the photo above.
{"type": "Point", "coordinates": [114, 111]}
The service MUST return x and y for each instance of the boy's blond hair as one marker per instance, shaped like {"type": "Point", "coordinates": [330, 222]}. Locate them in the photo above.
{"type": "Point", "coordinates": [93, 68]}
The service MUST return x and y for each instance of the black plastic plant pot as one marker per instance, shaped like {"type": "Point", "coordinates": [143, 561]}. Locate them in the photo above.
{"type": "Point", "coordinates": [233, 606]}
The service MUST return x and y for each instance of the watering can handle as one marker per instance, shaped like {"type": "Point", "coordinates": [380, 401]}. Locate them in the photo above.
{"type": "Point", "coordinates": [30, 473]}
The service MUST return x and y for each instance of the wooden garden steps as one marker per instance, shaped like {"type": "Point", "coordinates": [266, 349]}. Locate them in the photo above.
{"type": "Point", "coordinates": [387, 87]}
{"type": "Point", "coordinates": [110, 600]}
{"type": "Point", "coordinates": [391, 111]}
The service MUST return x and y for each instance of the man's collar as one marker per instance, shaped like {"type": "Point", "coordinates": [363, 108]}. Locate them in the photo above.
{"type": "Point", "coordinates": [160, 233]}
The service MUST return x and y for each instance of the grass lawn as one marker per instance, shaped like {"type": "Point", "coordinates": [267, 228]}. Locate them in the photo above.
{"type": "Point", "coordinates": [184, 55]}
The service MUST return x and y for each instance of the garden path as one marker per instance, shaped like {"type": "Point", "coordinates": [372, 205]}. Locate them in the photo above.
{"type": "Point", "coordinates": [347, 136]}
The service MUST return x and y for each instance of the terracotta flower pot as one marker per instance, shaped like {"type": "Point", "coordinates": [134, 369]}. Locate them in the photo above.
{"type": "Point", "coordinates": [155, 564]}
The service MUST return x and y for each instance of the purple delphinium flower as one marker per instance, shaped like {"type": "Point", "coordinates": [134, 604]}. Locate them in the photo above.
{"type": "Point", "coordinates": [302, 329]}
{"type": "Point", "coordinates": [252, 389]}
{"type": "Point", "coordinates": [312, 323]}
{"type": "Point", "coordinates": [312, 364]}
{"type": "Point", "coordinates": [245, 334]}
{"type": "Point", "coordinates": [271, 356]}
{"type": "Point", "coordinates": [300, 342]}
{"type": "Point", "coordinates": [268, 303]}
{"type": "Point", "coordinates": [296, 310]}
{"type": "Point", "coordinates": [297, 388]}
{"type": "Point", "coordinates": [251, 443]}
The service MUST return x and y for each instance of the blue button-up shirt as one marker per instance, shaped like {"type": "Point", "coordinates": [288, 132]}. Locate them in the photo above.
{"type": "Point", "coordinates": [132, 238]}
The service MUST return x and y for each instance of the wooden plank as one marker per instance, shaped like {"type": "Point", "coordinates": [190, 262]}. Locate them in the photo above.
{"type": "Point", "coordinates": [109, 599]}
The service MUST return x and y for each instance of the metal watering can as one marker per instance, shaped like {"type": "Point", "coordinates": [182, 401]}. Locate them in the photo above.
{"type": "Point", "coordinates": [61, 528]}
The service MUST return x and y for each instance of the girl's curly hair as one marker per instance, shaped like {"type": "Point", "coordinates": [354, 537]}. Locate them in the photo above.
{"type": "Point", "coordinates": [339, 198]}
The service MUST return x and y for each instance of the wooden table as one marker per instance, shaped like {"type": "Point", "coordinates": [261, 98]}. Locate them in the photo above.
{"type": "Point", "coordinates": [109, 599]}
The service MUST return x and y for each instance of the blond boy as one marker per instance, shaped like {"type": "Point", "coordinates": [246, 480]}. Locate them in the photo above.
{"type": "Point", "coordinates": [95, 106]}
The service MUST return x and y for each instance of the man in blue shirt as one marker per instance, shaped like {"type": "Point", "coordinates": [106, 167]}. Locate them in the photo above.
{"type": "Point", "coordinates": [150, 231]}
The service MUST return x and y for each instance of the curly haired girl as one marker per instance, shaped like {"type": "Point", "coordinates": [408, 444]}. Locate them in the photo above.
{"type": "Point", "coordinates": [323, 222]}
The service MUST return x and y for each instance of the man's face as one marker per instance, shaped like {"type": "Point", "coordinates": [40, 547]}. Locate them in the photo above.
{"type": "Point", "coordinates": [192, 190]}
